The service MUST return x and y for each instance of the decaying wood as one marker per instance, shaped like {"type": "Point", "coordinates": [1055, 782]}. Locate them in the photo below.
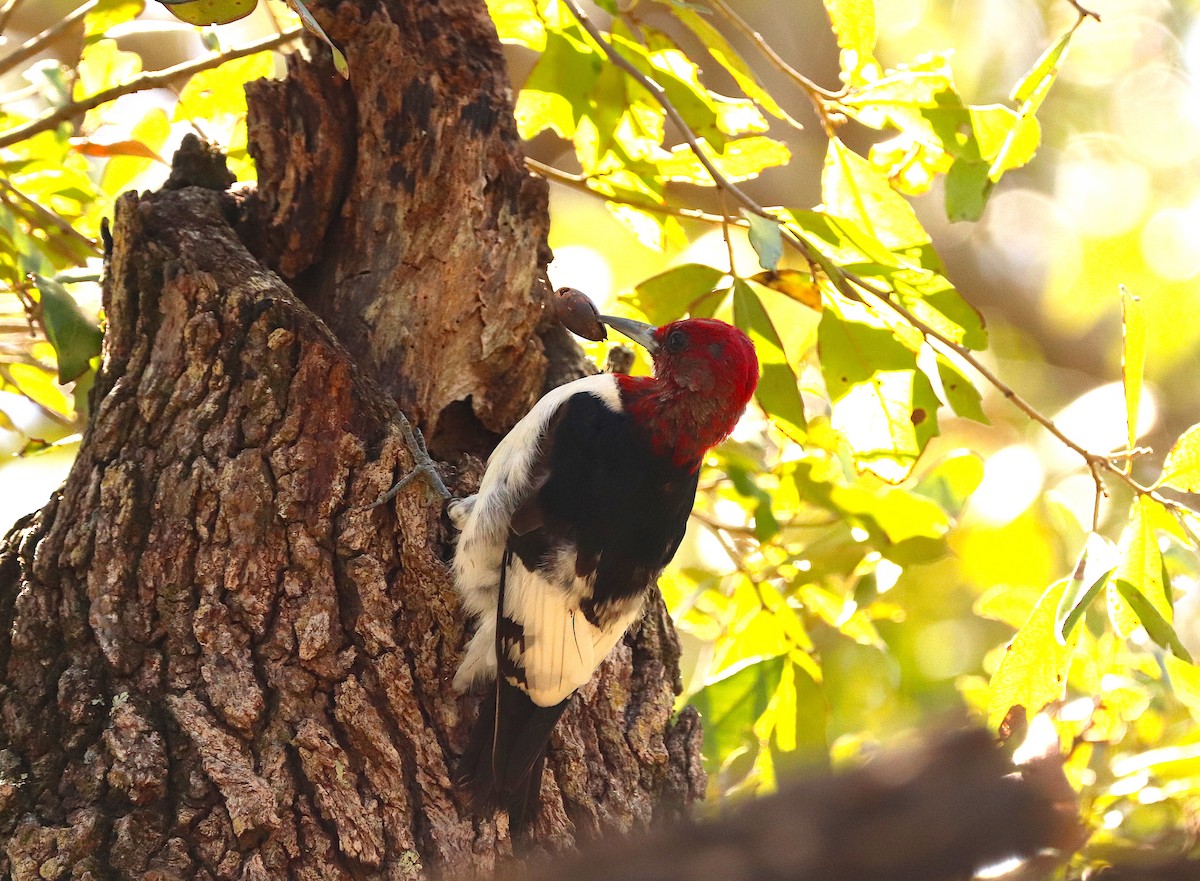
{"type": "Point", "coordinates": [399, 206]}
{"type": "Point", "coordinates": [217, 660]}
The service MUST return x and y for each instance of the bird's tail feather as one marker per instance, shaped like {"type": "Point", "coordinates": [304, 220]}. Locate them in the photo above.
{"type": "Point", "coordinates": [502, 765]}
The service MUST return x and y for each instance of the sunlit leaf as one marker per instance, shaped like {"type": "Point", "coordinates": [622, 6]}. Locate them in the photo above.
{"type": "Point", "coordinates": [102, 65]}
{"type": "Point", "coordinates": [842, 614]}
{"type": "Point", "coordinates": [107, 13]}
{"type": "Point", "coordinates": [952, 480]}
{"type": "Point", "coordinates": [728, 58]}
{"type": "Point", "coordinates": [1181, 470]}
{"type": "Point", "coordinates": [557, 94]}
{"type": "Point", "coordinates": [884, 406]}
{"type": "Point", "coordinates": [1158, 626]}
{"type": "Point", "coordinates": [855, 189]}
{"type": "Point", "coordinates": [741, 159]}
{"type": "Point", "coordinates": [1033, 671]}
{"type": "Point", "coordinates": [672, 294]}
{"type": "Point", "coordinates": [730, 706]}
{"type": "Point", "coordinates": [122, 171]}
{"type": "Point", "coordinates": [766, 239]}
{"type": "Point", "coordinates": [1096, 562]}
{"type": "Point", "coordinates": [961, 394]}
{"type": "Point", "coordinates": [1133, 358]}
{"type": "Point", "coordinates": [1185, 683]}
{"type": "Point", "coordinates": [39, 386]}
{"type": "Point", "coordinates": [75, 336]}
{"type": "Point", "coordinates": [1037, 82]}
{"type": "Point", "coordinates": [221, 91]}
{"type": "Point", "coordinates": [777, 391]}
{"type": "Point", "coordinates": [517, 21]}
{"type": "Point", "coordinates": [207, 12]}
{"type": "Point", "coordinates": [656, 231]}
{"type": "Point", "coordinates": [853, 23]}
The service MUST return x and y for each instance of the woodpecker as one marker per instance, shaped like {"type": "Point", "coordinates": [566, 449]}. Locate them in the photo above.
{"type": "Point", "coordinates": [581, 507]}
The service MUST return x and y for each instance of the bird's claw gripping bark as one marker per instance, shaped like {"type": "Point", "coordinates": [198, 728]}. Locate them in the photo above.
{"type": "Point", "coordinates": [423, 466]}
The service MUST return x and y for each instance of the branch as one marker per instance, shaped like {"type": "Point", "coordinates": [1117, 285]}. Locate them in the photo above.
{"type": "Point", "coordinates": [1083, 12]}
{"type": "Point", "coordinates": [37, 43]}
{"type": "Point", "coordinates": [815, 93]}
{"type": "Point", "coordinates": [579, 182]}
{"type": "Point", "coordinates": [154, 80]}
{"type": "Point", "coordinates": [844, 282]}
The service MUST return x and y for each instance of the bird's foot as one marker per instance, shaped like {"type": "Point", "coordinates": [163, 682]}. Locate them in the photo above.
{"type": "Point", "coordinates": [423, 466]}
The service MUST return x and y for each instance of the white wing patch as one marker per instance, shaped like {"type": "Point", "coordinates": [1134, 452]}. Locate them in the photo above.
{"type": "Point", "coordinates": [562, 648]}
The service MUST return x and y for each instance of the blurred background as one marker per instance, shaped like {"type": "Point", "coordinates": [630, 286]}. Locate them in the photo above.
{"type": "Point", "coordinates": [1112, 198]}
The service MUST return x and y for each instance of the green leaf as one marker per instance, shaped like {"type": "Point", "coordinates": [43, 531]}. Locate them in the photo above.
{"type": "Point", "coordinates": [882, 404]}
{"type": "Point", "coordinates": [961, 394]}
{"type": "Point", "coordinates": [1140, 563]}
{"type": "Point", "coordinates": [108, 13]}
{"type": "Point", "coordinates": [221, 92]}
{"type": "Point", "coordinates": [1185, 683]}
{"type": "Point", "coordinates": [901, 97]}
{"type": "Point", "coordinates": [654, 230]}
{"type": "Point", "coordinates": [557, 94]}
{"type": "Point", "coordinates": [855, 189]}
{"type": "Point", "coordinates": [1158, 626]}
{"type": "Point", "coordinates": [674, 293]}
{"type": "Point", "coordinates": [1181, 470]}
{"type": "Point", "coordinates": [1096, 563]}
{"type": "Point", "coordinates": [76, 337]}
{"type": "Point", "coordinates": [102, 65]}
{"type": "Point", "coordinates": [207, 12]}
{"type": "Point", "coordinates": [777, 393]}
{"type": "Point", "coordinates": [853, 23]}
{"type": "Point", "coordinates": [1037, 82]}
{"type": "Point", "coordinates": [1133, 358]}
{"type": "Point", "coordinates": [952, 480]}
{"type": "Point", "coordinates": [726, 56]}
{"type": "Point", "coordinates": [766, 239]}
{"type": "Point", "coordinates": [517, 21]}
{"type": "Point", "coordinates": [742, 159]}
{"type": "Point", "coordinates": [39, 386]}
{"type": "Point", "coordinates": [730, 706]}
{"type": "Point", "coordinates": [967, 189]}
{"type": "Point", "coordinates": [1033, 671]}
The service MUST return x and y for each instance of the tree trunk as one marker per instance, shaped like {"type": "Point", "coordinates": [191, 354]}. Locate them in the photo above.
{"type": "Point", "coordinates": [216, 660]}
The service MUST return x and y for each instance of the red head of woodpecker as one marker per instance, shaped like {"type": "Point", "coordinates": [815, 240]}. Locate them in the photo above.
{"type": "Point", "coordinates": [581, 506]}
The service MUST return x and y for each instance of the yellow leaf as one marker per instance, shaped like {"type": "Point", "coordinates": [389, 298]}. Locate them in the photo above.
{"type": "Point", "coordinates": [1182, 469]}
{"type": "Point", "coordinates": [1185, 683]}
{"type": "Point", "coordinates": [206, 12]}
{"type": "Point", "coordinates": [1133, 358]}
{"type": "Point", "coordinates": [1033, 671]}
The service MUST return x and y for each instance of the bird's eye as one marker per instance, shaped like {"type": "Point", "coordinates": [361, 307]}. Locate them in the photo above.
{"type": "Point", "coordinates": [676, 341]}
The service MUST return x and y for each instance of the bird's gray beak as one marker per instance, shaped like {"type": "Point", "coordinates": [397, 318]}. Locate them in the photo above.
{"type": "Point", "coordinates": [638, 331]}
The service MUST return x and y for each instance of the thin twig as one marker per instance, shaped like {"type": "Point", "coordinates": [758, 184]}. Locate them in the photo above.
{"type": "Point", "coordinates": [154, 80]}
{"type": "Point", "coordinates": [844, 282]}
{"type": "Point", "coordinates": [579, 182]}
{"type": "Point", "coordinates": [725, 233]}
{"type": "Point", "coordinates": [1084, 12]}
{"type": "Point", "coordinates": [6, 12]}
{"type": "Point", "coordinates": [37, 43]}
{"type": "Point", "coordinates": [815, 93]}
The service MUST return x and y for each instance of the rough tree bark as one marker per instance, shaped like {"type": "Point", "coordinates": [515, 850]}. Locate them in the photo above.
{"type": "Point", "coordinates": [216, 661]}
